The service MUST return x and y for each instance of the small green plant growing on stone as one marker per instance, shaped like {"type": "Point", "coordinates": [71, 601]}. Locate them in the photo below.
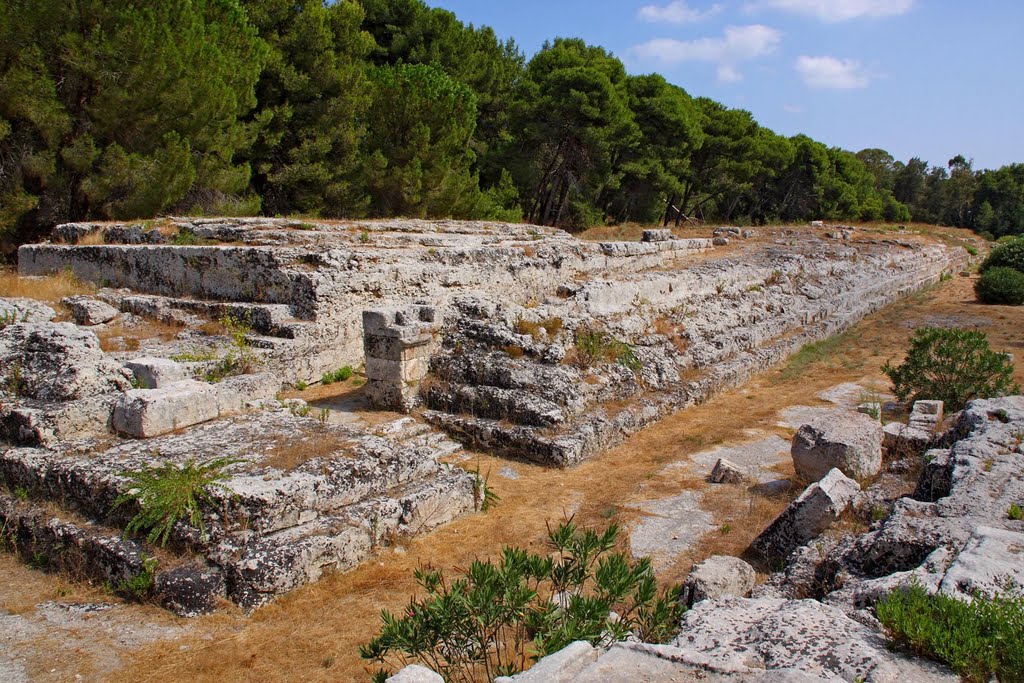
{"type": "Point", "coordinates": [16, 383]}
{"type": "Point", "coordinates": [971, 249]}
{"type": "Point", "coordinates": [1016, 512]}
{"type": "Point", "coordinates": [301, 385]}
{"type": "Point", "coordinates": [200, 356]}
{"type": "Point", "coordinates": [594, 346]}
{"type": "Point", "coordinates": [878, 512]}
{"type": "Point", "coordinates": [339, 375]}
{"type": "Point", "coordinates": [977, 639]}
{"type": "Point", "coordinates": [21, 493]}
{"type": "Point", "coordinates": [364, 236]}
{"type": "Point", "coordinates": [184, 238]}
{"type": "Point", "coordinates": [139, 586]}
{"type": "Point", "coordinates": [240, 358]}
{"type": "Point", "coordinates": [324, 416]}
{"type": "Point", "coordinates": [300, 409]}
{"type": "Point", "coordinates": [484, 497]}
{"type": "Point", "coordinates": [498, 615]}
{"type": "Point", "coordinates": [955, 366]}
{"type": "Point", "coordinates": [170, 493]}
{"type": "Point", "coordinates": [8, 318]}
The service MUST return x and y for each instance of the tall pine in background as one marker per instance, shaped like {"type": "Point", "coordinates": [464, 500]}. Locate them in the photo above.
{"type": "Point", "coordinates": [120, 109]}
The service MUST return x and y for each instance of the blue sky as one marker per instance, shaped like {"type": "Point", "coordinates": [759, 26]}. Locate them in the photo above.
{"type": "Point", "coordinates": [927, 78]}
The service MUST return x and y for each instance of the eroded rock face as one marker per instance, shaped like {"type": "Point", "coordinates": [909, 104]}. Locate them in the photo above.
{"type": "Point", "coordinates": [850, 442]}
{"type": "Point", "coordinates": [736, 635]}
{"type": "Point", "coordinates": [58, 362]}
{"type": "Point", "coordinates": [20, 310]}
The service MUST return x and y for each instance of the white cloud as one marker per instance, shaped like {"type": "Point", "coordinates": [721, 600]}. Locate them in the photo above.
{"type": "Point", "coordinates": [829, 72]}
{"type": "Point", "coordinates": [676, 12]}
{"type": "Point", "coordinates": [833, 11]}
{"type": "Point", "coordinates": [736, 45]}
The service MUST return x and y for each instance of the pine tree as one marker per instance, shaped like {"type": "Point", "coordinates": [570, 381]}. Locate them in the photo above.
{"type": "Point", "coordinates": [118, 109]}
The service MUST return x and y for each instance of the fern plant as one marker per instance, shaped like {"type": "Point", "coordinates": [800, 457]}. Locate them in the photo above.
{"type": "Point", "coordinates": [169, 493]}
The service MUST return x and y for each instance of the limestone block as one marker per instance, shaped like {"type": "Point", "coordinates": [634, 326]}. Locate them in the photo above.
{"type": "Point", "coordinates": [727, 472]}
{"type": "Point", "coordinates": [658, 235]}
{"type": "Point", "coordinates": [561, 667]}
{"type": "Point", "coordinates": [807, 516]}
{"type": "Point", "coordinates": [414, 673]}
{"type": "Point", "coordinates": [190, 590]}
{"type": "Point", "coordinates": [720, 241]}
{"type": "Point", "coordinates": [927, 415]}
{"type": "Point", "coordinates": [851, 442]}
{"type": "Point", "coordinates": [89, 311]}
{"type": "Point", "coordinates": [718, 576]}
{"type": "Point", "coordinates": [58, 362]}
{"type": "Point", "coordinates": [145, 413]}
{"type": "Point", "coordinates": [739, 636]}
{"type": "Point", "coordinates": [990, 557]}
{"type": "Point", "coordinates": [154, 373]}
{"type": "Point", "coordinates": [19, 310]}
{"type": "Point", "coordinates": [900, 438]}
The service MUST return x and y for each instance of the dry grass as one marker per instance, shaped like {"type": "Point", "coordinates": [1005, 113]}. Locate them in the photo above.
{"type": "Point", "coordinates": [49, 289]}
{"type": "Point", "coordinates": [676, 334]}
{"type": "Point", "coordinates": [120, 337]}
{"type": "Point", "coordinates": [287, 453]}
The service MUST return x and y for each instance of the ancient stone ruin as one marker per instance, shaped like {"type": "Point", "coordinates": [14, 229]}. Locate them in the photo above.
{"type": "Point", "coordinates": [515, 339]}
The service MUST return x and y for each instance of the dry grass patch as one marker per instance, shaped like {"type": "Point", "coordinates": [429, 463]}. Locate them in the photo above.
{"type": "Point", "coordinates": [120, 337]}
{"type": "Point", "coordinates": [288, 452]}
{"type": "Point", "coordinates": [49, 289]}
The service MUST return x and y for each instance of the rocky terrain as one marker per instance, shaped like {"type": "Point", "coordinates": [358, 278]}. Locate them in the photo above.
{"type": "Point", "coordinates": [814, 618]}
{"type": "Point", "coordinates": [517, 340]}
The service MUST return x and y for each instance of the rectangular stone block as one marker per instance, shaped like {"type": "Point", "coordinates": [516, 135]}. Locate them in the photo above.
{"type": "Point", "coordinates": [154, 373]}
{"type": "Point", "coordinates": [145, 413]}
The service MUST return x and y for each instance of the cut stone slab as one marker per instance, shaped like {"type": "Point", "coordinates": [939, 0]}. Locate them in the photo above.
{"type": "Point", "coordinates": [716, 577]}
{"type": "Point", "coordinates": [89, 311]}
{"type": "Point", "coordinates": [658, 235]}
{"type": "Point", "coordinates": [726, 472]}
{"type": "Point", "coordinates": [927, 415]}
{"type": "Point", "coordinates": [850, 442]}
{"type": "Point", "coordinates": [561, 667]}
{"type": "Point", "coordinates": [743, 636]}
{"type": "Point", "coordinates": [146, 413]}
{"type": "Point", "coordinates": [674, 525]}
{"type": "Point", "coordinates": [990, 557]}
{"type": "Point", "coordinates": [795, 417]}
{"type": "Point", "coordinates": [904, 439]}
{"type": "Point", "coordinates": [156, 373]}
{"type": "Point", "coordinates": [807, 516]}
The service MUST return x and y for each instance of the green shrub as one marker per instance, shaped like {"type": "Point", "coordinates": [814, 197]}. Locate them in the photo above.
{"type": "Point", "coordinates": [955, 366]}
{"type": "Point", "coordinates": [1008, 255]}
{"type": "Point", "coordinates": [171, 493]}
{"type": "Point", "coordinates": [971, 249]}
{"type": "Point", "coordinates": [594, 346]}
{"type": "Point", "coordinates": [1000, 285]}
{"type": "Point", "coordinates": [1015, 512]}
{"type": "Point", "coordinates": [498, 616]}
{"type": "Point", "coordinates": [977, 640]}
{"type": "Point", "coordinates": [339, 375]}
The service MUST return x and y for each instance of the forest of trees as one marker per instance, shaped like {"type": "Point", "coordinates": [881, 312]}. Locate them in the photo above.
{"type": "Point", "coordinates": [113, 109]}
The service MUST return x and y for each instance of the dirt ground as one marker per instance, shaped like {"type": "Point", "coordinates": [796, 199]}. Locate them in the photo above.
{"type": "Point", "coordinates": [313, 634]}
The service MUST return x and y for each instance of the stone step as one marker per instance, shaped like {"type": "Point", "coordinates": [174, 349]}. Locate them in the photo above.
{"type": "Point", "coordinates": [280, 562]}
{"type": "Point", "coordinates": [275, 320]}
{"type": "Point", "coordinates": [263, 498]}
{"type": "Point", "coordinates": [492, 402]}
{"type": "Point", "coordinates": [53, 539]}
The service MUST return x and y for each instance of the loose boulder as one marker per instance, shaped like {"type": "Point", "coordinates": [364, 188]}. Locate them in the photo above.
{"type": "Point", "coordinates": [850, 442]}
{"type": "Point", "coordinates": [58, 362]}
{"type": "Point", "coordinates": [88, 311]}
{"type": "Point", "coordinates": [716, 577]}
{"type": "Point", "coordinates": [727, 472]}
{"type": "Point", "coordinates": [807, 516]}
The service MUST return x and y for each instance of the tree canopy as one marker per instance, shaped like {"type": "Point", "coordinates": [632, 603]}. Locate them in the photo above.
{"type": "Point", "coordinates": [118, 110]}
